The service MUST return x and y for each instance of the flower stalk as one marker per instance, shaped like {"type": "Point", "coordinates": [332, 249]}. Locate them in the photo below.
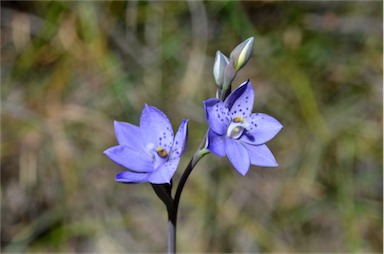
{"type": "Point", "coordinates": [171, 236]}
{"type": "Point", "coordinates": [172, 212]}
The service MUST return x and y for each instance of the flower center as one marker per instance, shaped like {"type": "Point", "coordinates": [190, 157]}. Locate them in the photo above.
{"type": "Point", "coordinates": [235, 129]}
{"type": "Point", "coordinates": [161, 152]}
{"type": "Point", "coordinates": [236, 132]}
{"type": "Point", "coordinates": [158, 155]}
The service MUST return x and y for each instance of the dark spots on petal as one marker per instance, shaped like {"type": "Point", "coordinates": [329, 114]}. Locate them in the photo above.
{"type": "Point", "coordinates": [249, 136]}
{"type": "Point", "coordinates": [247, 108]}
{"type": "Point", "coordinates": [243, 113]}
{"type": "Point", "coordinates": [246, 98]}
{"type": "Point", "coordinates": [177, 142]}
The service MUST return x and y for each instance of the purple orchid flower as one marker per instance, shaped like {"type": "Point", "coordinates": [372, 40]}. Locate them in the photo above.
{"type": "Point", "coordinates": [150, 151]}
{"type": "Point", "coordinates": [237, 132]}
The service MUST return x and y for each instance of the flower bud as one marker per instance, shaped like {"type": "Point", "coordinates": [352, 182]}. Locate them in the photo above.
{"type": "Point", "coordinates": [229, 75]}
{"type": "Point", "coordinates": [241, 53]}
{"type": "Point", "coordinates": [221, 61]}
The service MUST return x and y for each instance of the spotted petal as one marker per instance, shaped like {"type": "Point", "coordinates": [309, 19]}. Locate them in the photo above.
{"type": "Point", "coordinates": [131, 177]}
{"type": "Point", "coordinates": [180, 141]}
{"type": "Point", "coordinates": [156, 128]}
{"type": "Point", "coordinates": [237, 155]}
{"type": "Point", "coordinates": [217, 115]}
{"type": "Point", "coordinates": [261, 155]}
{"type": "Point", "coordinates": [165, 172]}
{"type": "Point", "coordinates": [240, 101]}
{"type": "Point", "coordinates": [130, 158]}
{"type": "Point", "coordinates": [261, 128]}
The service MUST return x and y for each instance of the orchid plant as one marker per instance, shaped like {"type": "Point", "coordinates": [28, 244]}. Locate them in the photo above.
{"type": "Point", "coordinates": [151, 152]}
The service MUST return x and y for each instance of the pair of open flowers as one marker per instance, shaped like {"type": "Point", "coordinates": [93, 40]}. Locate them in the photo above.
{"type": "Point", "coordinates": [151, 152]}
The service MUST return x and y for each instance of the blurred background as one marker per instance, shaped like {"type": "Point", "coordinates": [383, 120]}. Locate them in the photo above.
{"type": "Point", "coordinates": [68, 69]}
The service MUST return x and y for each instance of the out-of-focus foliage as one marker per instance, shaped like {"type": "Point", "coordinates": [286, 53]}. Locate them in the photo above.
{"type": "Point", "coordinates": [69, 68]}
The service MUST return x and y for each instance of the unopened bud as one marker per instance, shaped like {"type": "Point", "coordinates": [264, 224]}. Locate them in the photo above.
{"type": "Point", "coordinates": [229, 75]}
{"type": "Point", "coordinates": [241, 53]}
{"type": "Point", "coordinates": [221, 61]}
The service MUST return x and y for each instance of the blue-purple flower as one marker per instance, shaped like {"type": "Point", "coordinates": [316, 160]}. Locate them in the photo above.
{"type": "Point", "coordinates": [150, 151]}
{"type": "Point", "coordinates": [237, 132]}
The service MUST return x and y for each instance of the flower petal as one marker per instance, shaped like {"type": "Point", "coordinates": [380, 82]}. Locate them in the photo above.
{"type": "Point", "coordinates": [240, 101]}
{"type": "Point", "coordinates": [180, 141]}
{"type": "Point", "coordinates": [261, 155]}
{"type": "Point", "coordinates": [131, 177]}
{"type": "Point", "coordinates": [156, 128]}
{"type": "Point", "coordinates": [217, 115]}
{"type": "Point", "coordinates": [165, 172]}
{"type": "Point", "coordinates": [261, 128]}
{"type": "Point", "coordinates": [130, 158]}
{"type": "Point", "coordinates": [237, 155]}
{"type": "Point", "coordinates": [128, 134]}
{"type": "Point", "coordinates": [216, 143]}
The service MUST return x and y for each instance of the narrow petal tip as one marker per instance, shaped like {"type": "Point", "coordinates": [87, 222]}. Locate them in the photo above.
{"type": "Point", "coordinates": [131, 177]}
